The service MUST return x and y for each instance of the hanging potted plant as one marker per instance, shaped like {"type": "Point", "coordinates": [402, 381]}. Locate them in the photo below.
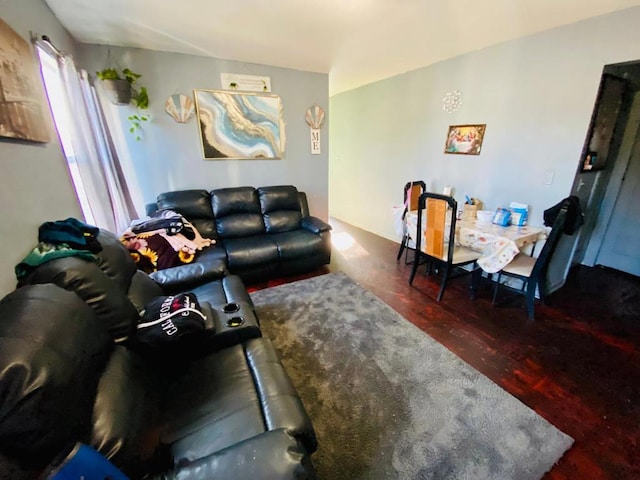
{"type": "Point", "coordinates": [121, 89]}
{"type": "Point", "coordinates": [117, 87]}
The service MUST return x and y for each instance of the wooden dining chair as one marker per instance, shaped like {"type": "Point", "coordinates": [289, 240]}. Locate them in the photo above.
{"type": "Point", "coordinates": [439, 247]}
{"type": "Point", "coordinates": [412, 191]}
{"type": "Point", "coordinates": [532, 271]}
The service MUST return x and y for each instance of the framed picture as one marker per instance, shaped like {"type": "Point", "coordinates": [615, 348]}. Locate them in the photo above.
{"type": "Point", "coordinates": [239, 125]}
{"type": "Point", "coordinates": [23, 115]}
{"type": "Point", "coordinates": [465, 139]}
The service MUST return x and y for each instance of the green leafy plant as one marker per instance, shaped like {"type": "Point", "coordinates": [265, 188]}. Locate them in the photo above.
{"type": "Point", "coordinates": [139, 96]}
{"type": "Point", "coordinates": [112, 74]}
{"type": "Point", "coordinates": [136, 124]}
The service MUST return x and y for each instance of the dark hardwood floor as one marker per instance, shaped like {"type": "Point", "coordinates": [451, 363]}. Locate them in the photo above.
{"type": "Point", "coordinates": [577, 365]}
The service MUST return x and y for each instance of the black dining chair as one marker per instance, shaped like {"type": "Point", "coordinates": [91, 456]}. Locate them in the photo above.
{"type": "Point", "coordinates": [532, 271]}
{"type": "Point", "coordinates": [439, 247]}
{"type": "Point", "coordinates": [412, 191]}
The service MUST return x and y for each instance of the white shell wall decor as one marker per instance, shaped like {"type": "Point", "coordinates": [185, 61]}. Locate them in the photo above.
{"type": "Point", "coordinates": [452, 101]}
{"type": "Point", "coordinates": [180, 107]}
{"type": "Point", "coordinates": [314, 117]}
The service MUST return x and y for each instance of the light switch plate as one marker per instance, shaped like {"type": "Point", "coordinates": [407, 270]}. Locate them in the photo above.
{"type": "Point", "coordinates": [548, 177]}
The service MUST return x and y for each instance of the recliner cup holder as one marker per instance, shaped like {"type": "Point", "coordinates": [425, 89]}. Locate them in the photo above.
{"type": "Point", "coordinates": [235, 321]}
{"type": "Point", "coordinates": [231, 307]}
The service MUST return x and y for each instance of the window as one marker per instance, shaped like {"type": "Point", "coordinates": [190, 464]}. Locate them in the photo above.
{"type": "Point", "coordinates": [93, 161]}
{"type": "Point", "coordinates": [62, 119]}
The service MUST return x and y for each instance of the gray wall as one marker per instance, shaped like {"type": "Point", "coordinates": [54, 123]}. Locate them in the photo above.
{"type": "Point", "coordinates": [169, 157]}
{"type": "Point", "coordinates": [535, 94]}
{"type": "Point", "coordinates": [36, 186]}
{"type": "Point", "coordinates": [35, 182]}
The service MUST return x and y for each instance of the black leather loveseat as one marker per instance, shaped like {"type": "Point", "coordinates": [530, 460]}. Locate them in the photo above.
{"type": "Point", "coordinates": [70, 371]}
{"type": "Point", "coordinates": [261, 233]}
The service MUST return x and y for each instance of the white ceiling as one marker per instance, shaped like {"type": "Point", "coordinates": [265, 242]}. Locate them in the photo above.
{"type": "Point", "coordinates": [355, 41]}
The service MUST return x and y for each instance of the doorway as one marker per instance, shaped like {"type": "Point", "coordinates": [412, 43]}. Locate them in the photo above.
{"type": "Point", "coordinates": [608, 195]}
{"type": "Point", "coordinates": [620, 243]}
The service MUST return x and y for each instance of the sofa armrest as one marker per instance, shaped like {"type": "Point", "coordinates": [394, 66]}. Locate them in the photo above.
{"type": "Point", "coordinates": [221, 332]}
{"type": "Point", "coordinates": [190, 275]}
{"type": "Point", "coordinates": [315, 225]}
{"type": "Point", "coordinates": [269, 456]}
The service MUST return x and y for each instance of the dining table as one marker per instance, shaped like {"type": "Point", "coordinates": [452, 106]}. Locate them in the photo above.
{"type": "Point", "coordinates": [498, 244]}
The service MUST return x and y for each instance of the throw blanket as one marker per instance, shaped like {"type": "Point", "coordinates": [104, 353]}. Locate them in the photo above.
{"type": "Point", "coordinates": [160, 248]}
{"type": "Point", "coordinates": [70, 232]}
{"type": "Point", "coordinates": [45, 252]}
{"type": "Point", "coordinates": [58, 239]}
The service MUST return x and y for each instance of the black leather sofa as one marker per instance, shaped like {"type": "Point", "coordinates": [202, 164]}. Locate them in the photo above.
{"type": "Point", "coordinates": [261, 233]}
{"type": "Point", "coordinates": [70, 371]}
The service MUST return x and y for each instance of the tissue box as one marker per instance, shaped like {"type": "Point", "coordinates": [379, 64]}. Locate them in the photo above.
{"type": "Point", "coordinates": [519, 213]}
{"type": "Point", "coordinates": [502, 217]}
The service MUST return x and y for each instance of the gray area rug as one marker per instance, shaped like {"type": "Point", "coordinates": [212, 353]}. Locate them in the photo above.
{"type": "Point", "coordinates": [388, 401]}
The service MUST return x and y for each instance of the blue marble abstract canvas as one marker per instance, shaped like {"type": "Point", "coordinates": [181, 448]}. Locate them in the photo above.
{"type": "Point", "coordinates": [240, 125]}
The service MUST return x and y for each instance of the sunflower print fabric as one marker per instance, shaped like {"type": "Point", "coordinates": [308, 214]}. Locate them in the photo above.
{"type": "Point", "coordinates": [157, 250]}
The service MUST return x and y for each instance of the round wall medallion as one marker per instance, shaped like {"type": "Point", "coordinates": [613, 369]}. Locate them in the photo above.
{"type": "Point", "coordinates": [452, 101]}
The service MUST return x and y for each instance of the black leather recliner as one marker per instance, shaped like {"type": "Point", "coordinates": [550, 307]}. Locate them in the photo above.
{"type": "Point", "coordinates": [261, 233]}
{"type": "Point", "coordinates": [69, 372]}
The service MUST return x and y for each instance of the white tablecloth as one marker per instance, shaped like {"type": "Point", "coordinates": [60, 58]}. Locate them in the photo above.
{"type": "Point", "coordinates": [499, 245]}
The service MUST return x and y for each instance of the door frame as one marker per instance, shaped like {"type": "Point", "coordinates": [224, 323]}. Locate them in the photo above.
{"type": "Point", "coordinates": [604, 185]}
{"type": "Point", "coordinates": [620, 167]}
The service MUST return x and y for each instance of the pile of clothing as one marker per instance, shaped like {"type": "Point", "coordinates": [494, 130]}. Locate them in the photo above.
{"type": "Point", "coordinates": [574, 219]}
{"type": "Point", "coordinates": [62, 238]}
{"type": "Point", "coordinates": [165, 239]}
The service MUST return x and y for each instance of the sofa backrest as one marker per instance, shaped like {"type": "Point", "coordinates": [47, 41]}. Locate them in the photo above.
{"type": "Point", "coordinates": [62, 380]}
{"type": "Point", "coordinates": [112, 286]}
{"type": "Point", "coordinates": [127, 412]}
{"type": "Point", "coordinates": [194, 205]}
{"type": "Point", "coordinates": [280, 207]}
{"type": "Point", "coordinates": [237, 212]}
{"type": "Point", "coordinates": [53, 350]}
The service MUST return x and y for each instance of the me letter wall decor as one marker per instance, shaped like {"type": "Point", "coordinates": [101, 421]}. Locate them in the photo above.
{"type": "Point", "coordinates": [465, 139]}
{"type": "Point", "coordinates": [22, 112]}
{"type": "Point", "coordinates": [240, 125]}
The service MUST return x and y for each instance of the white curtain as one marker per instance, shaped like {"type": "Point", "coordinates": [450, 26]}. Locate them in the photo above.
{"type": "Point", "coordinates": [101, 175]}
